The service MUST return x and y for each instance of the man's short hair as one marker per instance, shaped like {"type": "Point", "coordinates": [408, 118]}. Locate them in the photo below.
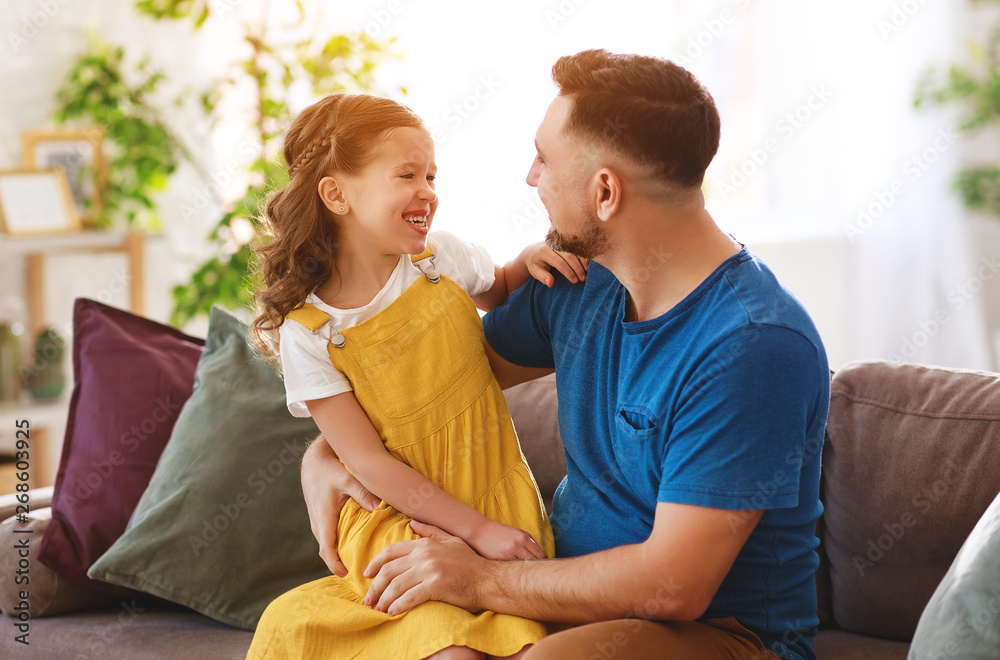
{"type": "Point", "coordinates": [646, 108]}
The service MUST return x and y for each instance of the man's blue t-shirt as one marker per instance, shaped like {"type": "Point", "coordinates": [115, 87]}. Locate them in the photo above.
{"type": "Point", "coordinates": [721, 402]}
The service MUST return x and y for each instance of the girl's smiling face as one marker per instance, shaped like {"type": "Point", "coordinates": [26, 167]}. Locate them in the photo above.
{"type": "Point", "coordinates": [392, 199]}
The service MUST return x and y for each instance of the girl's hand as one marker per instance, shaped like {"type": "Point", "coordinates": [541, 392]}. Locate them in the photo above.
{"type": "Point", "coordinates": [540, 259]}
{"type": "Point", "coordinates": [495, 540]}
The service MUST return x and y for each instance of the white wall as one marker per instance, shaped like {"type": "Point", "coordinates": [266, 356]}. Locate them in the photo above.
{"type": "Point", "coordinates": [39, 43]}
{"type": "Point", "coordinates": [815, 269]}
{"type": "Point", "coordinates": [987, 253]}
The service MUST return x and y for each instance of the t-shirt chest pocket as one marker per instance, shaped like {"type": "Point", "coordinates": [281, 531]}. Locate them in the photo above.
{"type": "Point", "coordinates": [637, 421]}
{"type": "Point", "coordinates": [636, 430]}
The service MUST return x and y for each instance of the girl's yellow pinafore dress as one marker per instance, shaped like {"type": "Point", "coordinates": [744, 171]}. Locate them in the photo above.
{"type": "Point", "coordinates": [419, 370]}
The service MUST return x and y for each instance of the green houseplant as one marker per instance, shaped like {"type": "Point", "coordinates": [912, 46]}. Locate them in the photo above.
{"type": "Point", "coordinates": [974, 87]}
{"type": "Point", "coordinates": [46, 378]}
{"type": "Point", "coordinates": [141, 151]}
{"type": "Point", "coordinates": [11, 366]}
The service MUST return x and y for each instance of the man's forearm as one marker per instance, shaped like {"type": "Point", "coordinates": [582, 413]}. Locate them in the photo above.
{"type": "Point", "coordinates": [672, 575]}
{"type": "Point", "coordinates": [611, 584]}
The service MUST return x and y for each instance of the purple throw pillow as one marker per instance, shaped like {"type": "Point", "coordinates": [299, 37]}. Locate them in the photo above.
{"type": "Point", "coordinates": [131, 378]}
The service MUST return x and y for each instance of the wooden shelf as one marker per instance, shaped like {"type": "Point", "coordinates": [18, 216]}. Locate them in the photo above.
{"type": "Point", "coordinates": [71, 242]}
{"type": "Point", "coordinates": [48, 419]}
{"type": "Point", "coordinates": [40, 413]}
{"type": "Point", "coordinates": [35, 249]}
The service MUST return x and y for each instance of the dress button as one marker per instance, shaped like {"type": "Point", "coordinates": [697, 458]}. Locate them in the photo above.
{"type": "Point", "coordinates": [433, 277]}
{"type": "Point", "coordinates": [338, 340]}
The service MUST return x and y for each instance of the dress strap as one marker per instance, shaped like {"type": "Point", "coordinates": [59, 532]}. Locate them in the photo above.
{"type": "Point", "coordinates": [315, 319]}
{"type": "Point", "coordinates": [425, 262]}
{"type": "Point", "coordinates": [426, 254]}
{"type": "Point", "coordinates": [308, 315]}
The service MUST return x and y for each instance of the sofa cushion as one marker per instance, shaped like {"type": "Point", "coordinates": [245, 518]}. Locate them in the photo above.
{"type": "Point", "coordinates": [48, 594]}
{"type": "Point", "coordinates": [962, 619]}
{"type": "Point", "coordinates": [909, 466]}
{"type": "Point", "coordinates": [534, 409]}
{"type": "Point", "coordinates": [840, 645]}
{"type": "Point", "coordinates": [223, 527]}
{"type": "Point", "coordinates": [131, 377]}
{"type": "Point", "coordinates": [132, 629]}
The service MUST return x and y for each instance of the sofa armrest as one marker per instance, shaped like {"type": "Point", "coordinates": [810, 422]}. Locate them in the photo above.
{"type": "Point", "coordinates": [38, 498]}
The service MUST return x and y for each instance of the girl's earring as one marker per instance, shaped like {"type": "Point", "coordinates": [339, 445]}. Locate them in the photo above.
{"type": "Point", "coordinates": [342, 209]}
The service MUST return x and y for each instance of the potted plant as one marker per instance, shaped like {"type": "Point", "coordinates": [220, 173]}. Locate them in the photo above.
{"type": "Point", "coordinates": [47, 377]}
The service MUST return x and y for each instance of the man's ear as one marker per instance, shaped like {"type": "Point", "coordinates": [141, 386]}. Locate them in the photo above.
{"type": "Point", "coordinates": [332, 194]}
{"type": "Point", "coordinates": [605, 193]}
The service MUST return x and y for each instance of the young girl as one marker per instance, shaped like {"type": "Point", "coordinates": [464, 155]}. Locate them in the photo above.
{"type": "Point", "coordinates": [381, 343]}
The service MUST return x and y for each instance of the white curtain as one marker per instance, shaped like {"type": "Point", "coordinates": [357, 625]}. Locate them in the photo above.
{"type": "Point", "coordinates": [829, 87]}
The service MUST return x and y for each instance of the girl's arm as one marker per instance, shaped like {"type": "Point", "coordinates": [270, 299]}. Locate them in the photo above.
{"type": "Point", "coordinates": [536, 260]}
{"type": "Point", "coordinates": [351, 435]}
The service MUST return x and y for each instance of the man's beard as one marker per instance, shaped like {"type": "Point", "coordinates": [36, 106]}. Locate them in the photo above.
{"type": "Point", "coordinates": [591, 243]}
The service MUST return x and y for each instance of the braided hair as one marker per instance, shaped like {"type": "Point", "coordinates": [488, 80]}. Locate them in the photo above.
{"type": "Point", "coordinates": [307, 157]}
{"type": "Point", "coordinates": [337, 134]}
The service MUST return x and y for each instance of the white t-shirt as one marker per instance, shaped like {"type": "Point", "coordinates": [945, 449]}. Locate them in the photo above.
{"type": "Point", "coordinates": [305, 360]}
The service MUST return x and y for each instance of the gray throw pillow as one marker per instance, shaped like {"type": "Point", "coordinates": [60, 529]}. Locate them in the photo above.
{"type": "Point", "coordinates": [222, 527]}
{"type": "Point", "coordinates": [962, 619]}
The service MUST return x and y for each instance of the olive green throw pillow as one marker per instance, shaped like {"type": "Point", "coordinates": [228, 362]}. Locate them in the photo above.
{"type": "Point", "coordinates": [222, 527]}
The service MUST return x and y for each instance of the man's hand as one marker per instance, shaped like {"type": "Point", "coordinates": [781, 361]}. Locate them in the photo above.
{"type": "Point", "coordinates": [540, 259]}
{"type": "Point", "coordinates": [326, 486]}
{"type": "Point", "coordinates": [437, 567]}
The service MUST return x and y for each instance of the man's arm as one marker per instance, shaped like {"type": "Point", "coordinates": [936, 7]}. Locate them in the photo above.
{"type": "Point", "coordinates": [673, 575]}
{"type": "Point", "coordinates": [326, 487]}
{"type": "Point", "coordinates": [509, 374]}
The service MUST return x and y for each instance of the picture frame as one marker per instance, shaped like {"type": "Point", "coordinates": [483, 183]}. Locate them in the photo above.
{"type": "Point", "coordinates": [79, 153]}
{"type": "Point", "coordinates": [36, 202]}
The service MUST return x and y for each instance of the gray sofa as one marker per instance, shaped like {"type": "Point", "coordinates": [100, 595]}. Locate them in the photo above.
{"type": "Point", "coordinates": [911, 462]}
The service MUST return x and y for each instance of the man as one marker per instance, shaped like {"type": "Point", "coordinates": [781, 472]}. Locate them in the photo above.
{"type": "Point", "coordinates": [693, 394]}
